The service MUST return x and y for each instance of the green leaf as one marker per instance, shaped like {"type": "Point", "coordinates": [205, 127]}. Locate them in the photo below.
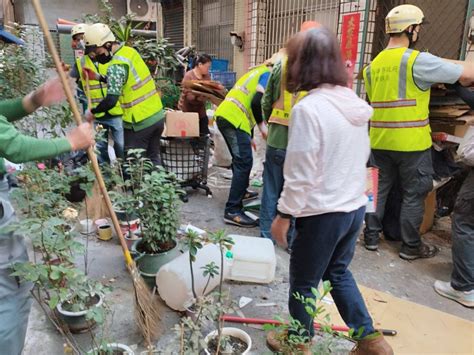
{"type": "Point", "coordinates": [53, 301]}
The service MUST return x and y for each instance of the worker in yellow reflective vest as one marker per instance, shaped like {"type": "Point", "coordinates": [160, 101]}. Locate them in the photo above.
{"type": "Point", "coordinates": [111, 120]}
{"type": "Point", "coordinates": [398, 83]}
{"type": "Point", "coordinates": [236, 117]}
{"type": "Point", "coordinates": [78, 47]}
{"type": "Point", "coordinates": [276, 106]}
{"type": "Point", "coordinates": [130, 82]}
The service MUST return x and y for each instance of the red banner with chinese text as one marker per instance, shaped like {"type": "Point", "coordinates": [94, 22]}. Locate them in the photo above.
{"type": "Point", "coordinates": [349, 39]}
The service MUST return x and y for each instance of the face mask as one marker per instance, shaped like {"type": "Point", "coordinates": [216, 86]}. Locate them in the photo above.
{"type": "Point", "coordinates": [103, 58]}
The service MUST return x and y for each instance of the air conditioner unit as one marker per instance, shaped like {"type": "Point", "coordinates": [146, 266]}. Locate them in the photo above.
{"type": "Point", "coordinates": [144, 10]}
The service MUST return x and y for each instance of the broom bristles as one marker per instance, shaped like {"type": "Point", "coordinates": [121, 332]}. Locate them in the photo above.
{"type": "Point", "coordinates": [147, 314]}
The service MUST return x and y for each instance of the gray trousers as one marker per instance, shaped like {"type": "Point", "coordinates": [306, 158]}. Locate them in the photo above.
{"type": "Point", "coordinates": [462, 278]}
{"type": "Point", "coordinates": [15, 301]}
{"type": "Point", "coordinates": [415, 170]}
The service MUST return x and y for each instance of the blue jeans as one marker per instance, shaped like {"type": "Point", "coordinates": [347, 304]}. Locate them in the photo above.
{"type": "Point", "coordinates": [239, 144]}
{"type": "Point", "coordinates": [322, 250]}
{"type": "Point", "coordinates": [272, 186]}
{"type": "Point", "coordinates": [115, 126]}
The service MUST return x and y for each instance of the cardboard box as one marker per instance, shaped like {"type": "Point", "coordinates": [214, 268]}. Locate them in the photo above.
{"type": "Point", "coordinates": [182, 124]}
{"type": "Point", "coordinates": [430, 209]}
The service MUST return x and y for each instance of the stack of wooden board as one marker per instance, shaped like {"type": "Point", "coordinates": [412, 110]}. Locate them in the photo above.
{"type": "Point", "coordinates": [448, 113]}
{"type": "Point", "coordinates": [209, 89]}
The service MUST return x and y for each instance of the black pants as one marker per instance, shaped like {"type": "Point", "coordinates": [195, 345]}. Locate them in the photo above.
{"type": "Point", "coordinates": [147, 139]}
{"type": "Point", "coordinates": [415, 170]}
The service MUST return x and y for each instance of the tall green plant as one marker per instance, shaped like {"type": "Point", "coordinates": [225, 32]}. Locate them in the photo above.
{"type": "Point", "coordinates": [48, 219]}
{"type": "Point", "coordinates": [153, 194]}
{"type": "Point", "coordinates": [23, 69]}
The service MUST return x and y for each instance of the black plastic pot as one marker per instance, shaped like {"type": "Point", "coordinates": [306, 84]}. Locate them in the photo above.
{"type": "Point", "coordinates": [76, 194]}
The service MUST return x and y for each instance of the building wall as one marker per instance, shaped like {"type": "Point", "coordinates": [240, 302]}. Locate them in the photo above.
{"type": "Point", "coordinates": [67, 9]}
{"type": "Point", "coordinates": [240, 26]}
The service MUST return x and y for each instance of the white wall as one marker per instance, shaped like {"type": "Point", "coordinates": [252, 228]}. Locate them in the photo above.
{"type": "Point", "coordinates": [67, 9]}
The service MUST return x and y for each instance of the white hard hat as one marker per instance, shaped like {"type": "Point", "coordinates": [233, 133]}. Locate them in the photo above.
{"type": "Point", "coordinates": [78, 29]}
{"type": "Point", "coordinates": [97, 35]}
{"type": "Point", "coordinates": [401, 17]}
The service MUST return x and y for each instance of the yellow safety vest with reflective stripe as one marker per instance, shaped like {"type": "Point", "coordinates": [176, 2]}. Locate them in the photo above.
{"type": "Point", "coordinates": [282, 107]}
{"type": "Point", "coordinates": [98, 90]}
{"type": "Point", "coordinates": [139, 98]}
{"type": "Point", "coordinates": [401, 109]}
{"type": "Point", "coordinates": [237, 106]}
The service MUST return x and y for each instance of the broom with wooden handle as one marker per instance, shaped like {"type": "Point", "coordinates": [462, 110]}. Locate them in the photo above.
{"type": "Point", "coordinates": [146, 311]}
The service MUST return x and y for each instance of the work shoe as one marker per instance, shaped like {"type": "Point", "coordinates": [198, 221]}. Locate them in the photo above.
{"type": "Point", "coordinates": [240, 219]}
{"type": "Point", "coordinates": [275, 341]}
{"type": "Point", "coordinates": [422, 252]}
{"type": "Point", "coordinates": [373, 344]}
{"type": "Point", "coordinates": [466, 298]}
{"type": "Point", "coordinates": [250, 195]}
{"type": "Point", "coordinates": [371, 241]}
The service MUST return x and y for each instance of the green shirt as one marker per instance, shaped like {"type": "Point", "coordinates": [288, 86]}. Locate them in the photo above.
{"type": "Point", "coordinates": [19, 148]}
{"type": "Point", "coordinates": [117, 76]}
{"type": "Point", "coordinates": [277, 133]}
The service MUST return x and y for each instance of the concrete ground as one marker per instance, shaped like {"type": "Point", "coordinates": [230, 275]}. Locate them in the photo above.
{"type": "Point", "coordinates": [382, 270]}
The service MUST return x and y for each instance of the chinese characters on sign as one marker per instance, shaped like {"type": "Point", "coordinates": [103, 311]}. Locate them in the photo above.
{"type": "Point", "coordinates": [349, 39]}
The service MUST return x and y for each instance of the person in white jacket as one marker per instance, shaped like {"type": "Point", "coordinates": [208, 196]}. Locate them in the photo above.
{"type": "Point", "coordinates": [324, 189]}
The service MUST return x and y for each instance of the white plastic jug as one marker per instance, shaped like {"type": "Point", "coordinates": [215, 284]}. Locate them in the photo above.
{"type": "Point", "coordinates": [254, 259]}
{"type": "Point", "coordinates": [174, 278]}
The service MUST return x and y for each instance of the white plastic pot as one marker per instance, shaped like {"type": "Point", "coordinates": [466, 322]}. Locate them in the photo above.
{"type": "Point", "coordinates": [235, 332]}
{"type": "Point", "coordinates": [113, 346]}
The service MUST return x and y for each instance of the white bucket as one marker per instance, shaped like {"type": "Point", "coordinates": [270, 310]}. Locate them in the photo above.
{"type": "Point", "coordinates": [174, 278]}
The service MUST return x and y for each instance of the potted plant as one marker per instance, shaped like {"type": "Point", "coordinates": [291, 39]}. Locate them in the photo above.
{"type": "Point", "coordinates": [151, 193]}
{"type": "Point", "coordinates": [292, 335]}
{"type": "Point", "coordinates": [211, 308]}
{"type": "Point", "coordinates": [225, 340]}
{"type": "Point", "coordinates": [81, 181]}
{"type": "Point", "coordinates": [194, 242]}
{"type": "Point", "coordinates": [82, 307]}
{"type": "Point", "coordinates": [63, 291]}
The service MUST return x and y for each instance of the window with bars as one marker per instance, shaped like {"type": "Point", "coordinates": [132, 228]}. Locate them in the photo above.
{"type": "Point", "coordinates": [283, 19]}
{"type": "Point", "coordinates": [215, 20]}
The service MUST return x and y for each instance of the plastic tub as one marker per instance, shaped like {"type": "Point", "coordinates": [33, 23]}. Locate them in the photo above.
{"type": "Point", "coordinates": [254, 259]}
